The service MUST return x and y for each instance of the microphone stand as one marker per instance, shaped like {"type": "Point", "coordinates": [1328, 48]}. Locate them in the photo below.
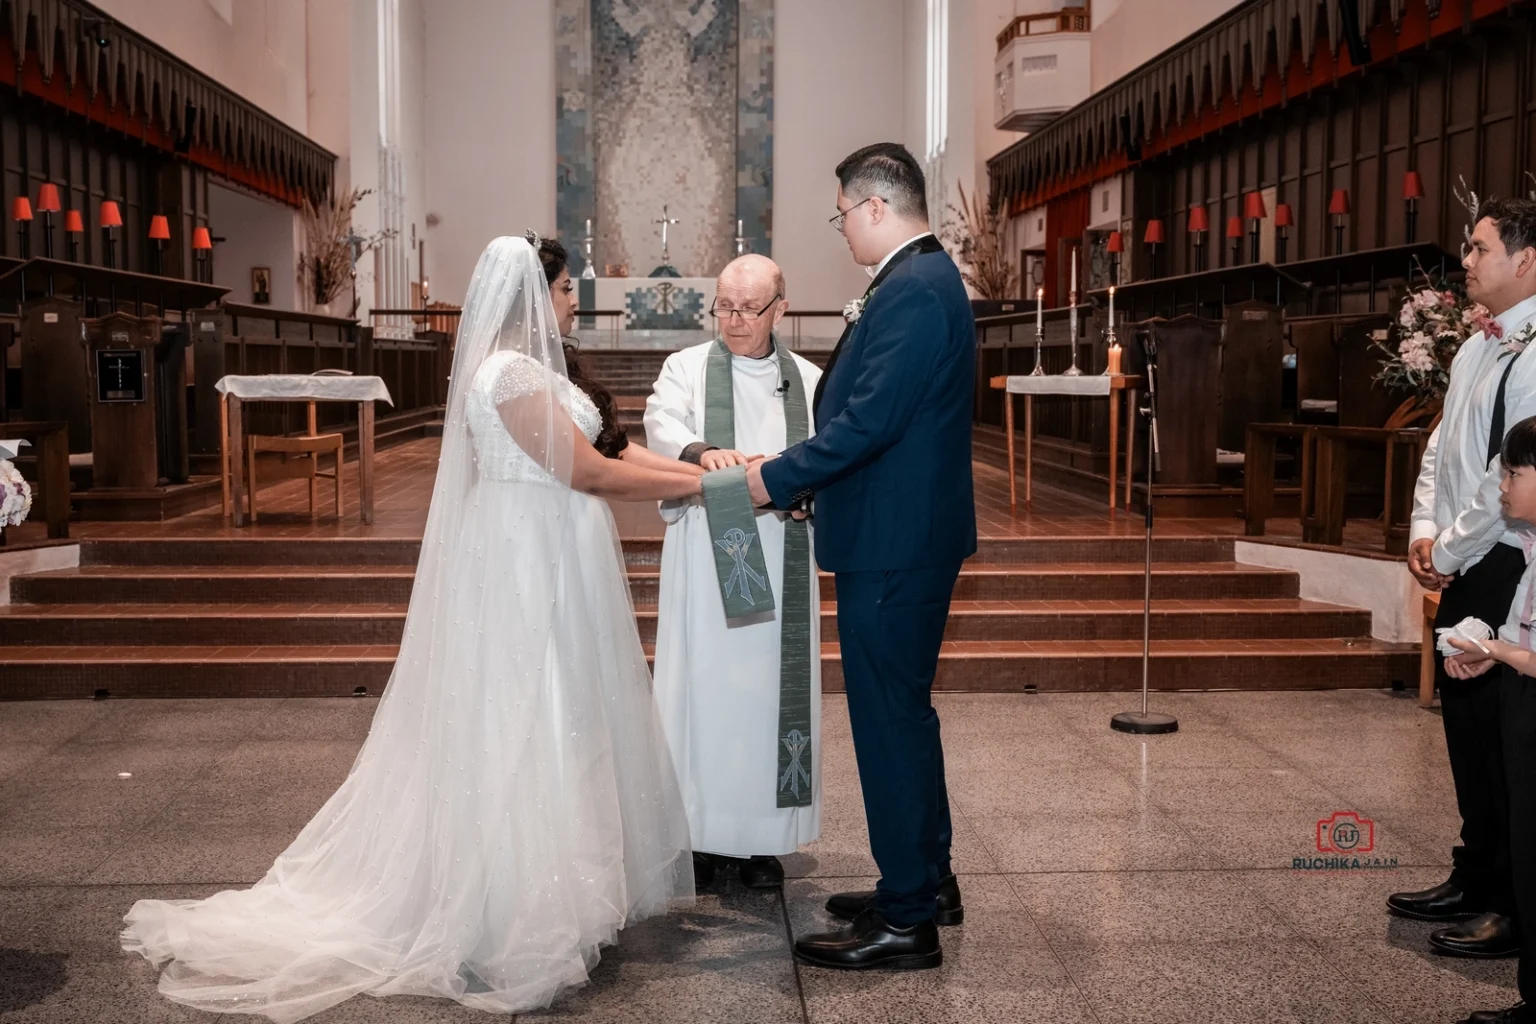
{"type": "Point", "coordinates": [1145, 722]}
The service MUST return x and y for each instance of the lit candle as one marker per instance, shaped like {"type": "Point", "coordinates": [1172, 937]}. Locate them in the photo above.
{"type": "Point", "coordinates": [1111, 305]}
{"type": "Point", "coordinates": [1114, 359]}
{"type": "Point", "coordinates": [1039, 309]}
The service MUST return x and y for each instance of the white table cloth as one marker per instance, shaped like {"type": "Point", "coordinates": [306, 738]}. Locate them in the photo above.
{"type": "Point", "coordinates": [1059, 384]}
{"type": "Point", "coordinates": [302, 386]}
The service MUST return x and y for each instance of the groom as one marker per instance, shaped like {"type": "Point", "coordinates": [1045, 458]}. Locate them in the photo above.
{"type": "Point", "coordinates": [890, 470]}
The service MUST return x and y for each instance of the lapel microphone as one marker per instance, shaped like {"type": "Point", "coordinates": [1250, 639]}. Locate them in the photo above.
{"type": "Point", "coordinates": [782, 389]}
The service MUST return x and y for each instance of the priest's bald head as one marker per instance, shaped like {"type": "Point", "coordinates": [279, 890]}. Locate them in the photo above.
{"type": "Point", "coordinates": [749, 303]}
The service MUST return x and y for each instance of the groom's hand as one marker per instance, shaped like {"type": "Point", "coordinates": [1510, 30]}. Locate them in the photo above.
{"type": "Point", "coordinates": [755, 488]}
{"type": "Point", "coordinates": [721, 458]}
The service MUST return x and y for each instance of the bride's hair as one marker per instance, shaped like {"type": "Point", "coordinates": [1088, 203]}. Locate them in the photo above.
{"type": "Point", "coordinates": [613, 439]}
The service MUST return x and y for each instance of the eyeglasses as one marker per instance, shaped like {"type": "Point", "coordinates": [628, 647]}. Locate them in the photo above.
{"type": "Point", "coordinates": [837, 219]}
{"type": "Point", "coordinates": [747, 315]}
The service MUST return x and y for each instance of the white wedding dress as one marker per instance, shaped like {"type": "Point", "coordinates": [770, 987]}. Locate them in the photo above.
{"type": "Point", "coordinates": [514, 805]}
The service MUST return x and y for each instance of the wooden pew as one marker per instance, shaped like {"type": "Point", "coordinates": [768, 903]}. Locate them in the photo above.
{"type": "Point", "coordinates": [50, 455]}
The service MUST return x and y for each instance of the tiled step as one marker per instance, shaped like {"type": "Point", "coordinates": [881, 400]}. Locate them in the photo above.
{"type": "Point", "coordinates": [232, 584]}
{"type": "Point", "coordinates": [981, 621]}
{"type": "Point", "coordinates": [321, 624]}
{"type": "Point", "coordinates": [980, 581]}
{"type": "Point", "coordinates": [340, 551]}
{"type": "Point", "coordinates": [76, 672]}
{"type": "Point", "coordinates": [196, 625]}
{"type": "Point", "coordinates": [391, 584]}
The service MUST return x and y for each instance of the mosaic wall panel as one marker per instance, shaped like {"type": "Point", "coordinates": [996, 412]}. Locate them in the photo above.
{"type": "Point", "coordinates": [665, 103]}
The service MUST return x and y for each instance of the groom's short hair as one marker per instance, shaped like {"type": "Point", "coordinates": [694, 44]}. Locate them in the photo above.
{"type": "Point", "coordinates": [1515, 220]}
{"type": "Point", "coordinates": [886, 170]}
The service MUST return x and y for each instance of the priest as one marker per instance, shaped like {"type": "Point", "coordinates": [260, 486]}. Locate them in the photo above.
{"type": "Point", "coordinates": [738, 661]}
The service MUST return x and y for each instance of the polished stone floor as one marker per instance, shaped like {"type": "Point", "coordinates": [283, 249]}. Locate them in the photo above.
{"type": "Point", "coordinates": [1106, 878]}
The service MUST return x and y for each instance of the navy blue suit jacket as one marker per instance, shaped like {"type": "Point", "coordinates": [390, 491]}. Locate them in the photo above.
{"type": "Point", "coordinates": [890, 463]}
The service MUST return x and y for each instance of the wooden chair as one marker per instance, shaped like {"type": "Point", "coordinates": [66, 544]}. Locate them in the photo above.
{"type": "Point", "coordinates": [300, 460]}
{"type": "Point", "coordinates": [1427, 652]}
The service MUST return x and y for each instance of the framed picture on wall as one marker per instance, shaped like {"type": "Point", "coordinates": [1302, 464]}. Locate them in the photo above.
{"type": "Point", "coordinates": [261, 286]}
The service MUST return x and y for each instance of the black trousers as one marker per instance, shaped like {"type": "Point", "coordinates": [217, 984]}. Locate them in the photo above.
{"type": "Point", "coordinates": [890, 626]}
{"type": "Point", "coordinates": [1472, 712]}
{"type": "Point", "coordinates": [1517, 707]}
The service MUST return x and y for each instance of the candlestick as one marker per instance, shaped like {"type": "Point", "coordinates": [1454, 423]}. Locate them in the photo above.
{"type": "Point", "coordinates": [1112, 362]}
{"type": "Point", "coordinates": [1039, 370]}
{"type": "Point", "coordinates": [1073, 370]}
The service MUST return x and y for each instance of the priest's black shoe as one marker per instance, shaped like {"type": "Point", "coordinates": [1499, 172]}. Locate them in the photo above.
{"type": "Point", "coordinates": [1445, 902]}
{"type": "Point", "coordinates": [1517, 1014]}
{"type": "Point", "coordinates": [762, 873]}
{"type": "Point", "coordinates": [849, 905]}
{"type": "Point", "coordinates": [869, 943]}
{"type": "Point", "coordinates": [1487, 937]}
{"type": "Point", "coordinates": [704, 868]}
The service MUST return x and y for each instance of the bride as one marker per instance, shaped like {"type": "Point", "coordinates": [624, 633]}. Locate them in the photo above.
{"type": "Point", "coordinates": [514, 805]}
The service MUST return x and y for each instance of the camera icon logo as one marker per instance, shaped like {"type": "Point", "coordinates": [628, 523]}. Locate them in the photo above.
{"type": "Point", "coordinates": [1345, 832]}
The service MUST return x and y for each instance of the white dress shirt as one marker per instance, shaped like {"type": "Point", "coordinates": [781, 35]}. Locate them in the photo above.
{"type": "Point", "coordinates": [1456, 499]}
{"type": "Point", "coordinates": [1511, 632]}
{"type": "Point", "coordinates": [875, 270]}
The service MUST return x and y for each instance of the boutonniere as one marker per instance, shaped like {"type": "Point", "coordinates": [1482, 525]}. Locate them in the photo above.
{"type": "Point", "coordinates": [1519, 341]}
{"type": "Point", "coordinates": [855, 309]}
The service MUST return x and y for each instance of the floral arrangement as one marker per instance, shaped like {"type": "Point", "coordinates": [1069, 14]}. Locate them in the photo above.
{"type": "Point", "coordinates": [15, 495]}
{"type": "Point", "coordinates": [981, 244]}
{"type": "Point", "coordinates": [1432, 322]}
{"type": "Point", "coordinates": [331, 248]}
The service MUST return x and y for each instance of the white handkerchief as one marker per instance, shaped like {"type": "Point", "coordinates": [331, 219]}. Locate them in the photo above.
{"type": "Point", "coordinates": [1468, 628]}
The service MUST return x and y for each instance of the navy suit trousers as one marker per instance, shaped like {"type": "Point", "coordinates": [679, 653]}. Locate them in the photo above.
{"type": "Point", "coordinates": [890, 625]}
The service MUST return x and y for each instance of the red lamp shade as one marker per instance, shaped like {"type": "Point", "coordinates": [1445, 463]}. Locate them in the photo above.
{"type": "Point", "coordinates": [1413, 185]}
{"type": "Point", "coordinates": [48, 199]}
{"type": "Point", "coordinates": [159, 228]}
{"type": "Point", "coordinates": [1338, 206]}
{"type": "Point", "coordinates": [201, 239]}
{"type": "Point", "coordinates": [1116, 242]}
{"type": "Point", "coordinates": [111, 216]}
{"type": "Point", "coordinates": [1198, 221]}
{"type": "Point", "coordinates": [73, 221]}
{"type": "Point", "coordinates": [1234, 227]}
{"type": "Point", "coordinates": [1284, 217]}
{"type": "Point", "coordinates": [1154, 233]}
{"type": "Point", "coordinates": [1253, 206]}
{"type": "Point", "coordinates": [21, 208]}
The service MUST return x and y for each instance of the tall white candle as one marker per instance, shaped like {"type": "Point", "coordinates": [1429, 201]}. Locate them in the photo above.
{"type": "Point", "coordinates": [1074, 277]}
{"type": "Point", "coordinates": [1111, 305]}
{"type": "Point", "coordinates": [1039, 309]}
{"type": "Point", "coordinates": [589, 225]}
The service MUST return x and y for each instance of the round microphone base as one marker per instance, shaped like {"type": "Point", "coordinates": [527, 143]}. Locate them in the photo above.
{"type": "Point", "coordinates": [1144, 724]}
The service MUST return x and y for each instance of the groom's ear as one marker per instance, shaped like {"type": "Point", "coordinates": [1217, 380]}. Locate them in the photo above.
{"type": "Point", "coordinates": [877, 209]}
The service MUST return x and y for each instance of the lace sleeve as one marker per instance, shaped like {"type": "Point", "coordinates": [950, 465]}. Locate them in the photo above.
{"type": "Point", "coordinates": [516, 376]}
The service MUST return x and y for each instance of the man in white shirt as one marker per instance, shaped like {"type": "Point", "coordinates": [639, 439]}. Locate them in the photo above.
{"type": "Point", "coordinates": [1463, 546]}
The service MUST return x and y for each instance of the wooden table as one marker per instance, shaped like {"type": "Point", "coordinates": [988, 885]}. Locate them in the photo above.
{"type": "Point", "coordinates": [1117, 387]}
{"type": "Point", "coordinates": [237, 391]}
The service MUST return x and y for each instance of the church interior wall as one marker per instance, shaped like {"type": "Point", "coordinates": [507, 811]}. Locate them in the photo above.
{"type": "Point", "coordinates": [258, 48]}
{"type": "Point", "coordinates": [490, 135]}
{"type": "Point", "coordinates": [1128, 33]}
{"type": "Point", "coordinates": [255, 232]}
{"type": "Point", "coordinates": [840, 76]}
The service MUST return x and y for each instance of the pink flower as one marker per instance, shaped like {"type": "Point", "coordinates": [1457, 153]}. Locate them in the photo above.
{"type": "Point", "coordinates": [1490, 327]}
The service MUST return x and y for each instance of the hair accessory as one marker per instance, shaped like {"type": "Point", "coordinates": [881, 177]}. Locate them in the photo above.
{"type": "Point", "coordinates": [532, 237]}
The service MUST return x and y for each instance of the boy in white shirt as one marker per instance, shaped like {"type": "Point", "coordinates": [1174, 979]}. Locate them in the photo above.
{"type": "Point", "coordinates": [1515, 648]}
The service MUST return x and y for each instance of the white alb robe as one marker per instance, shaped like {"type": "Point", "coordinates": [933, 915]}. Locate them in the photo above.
{"type": "Point", "coordinates": [718, 687]}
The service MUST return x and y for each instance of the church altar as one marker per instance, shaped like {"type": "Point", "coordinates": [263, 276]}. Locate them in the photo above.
{"type": "Point", "coordinates": [650, 303]}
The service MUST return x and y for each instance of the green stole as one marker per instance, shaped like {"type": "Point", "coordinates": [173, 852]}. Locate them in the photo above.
{"type": "Point", "coordinates": [742, 570]}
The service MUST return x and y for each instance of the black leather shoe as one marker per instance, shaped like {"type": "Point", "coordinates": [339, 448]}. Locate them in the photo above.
{"type": "Point", "coordinates": [1445, 902]}
{"type": "Point", "coordinates": [869, 943]}
{"type": "Point", "coordinates": [762, 873]}
{"type": "Point", "coordinates": [1517, 1014]}
{"type": "Point", "coordinates": [1487, 937]}
{"type": "Point", "coordinates": [703, 870]}
{"type": "Point", "coordinates": [849, 905]}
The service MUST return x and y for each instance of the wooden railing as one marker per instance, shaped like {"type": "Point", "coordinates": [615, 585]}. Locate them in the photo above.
{"type": "Point", "coordinates": [1068, 19]}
